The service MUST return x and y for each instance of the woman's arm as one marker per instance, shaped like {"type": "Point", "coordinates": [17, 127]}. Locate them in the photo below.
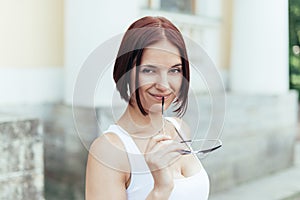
{"type": "Point", "coordinates": [103, 179]}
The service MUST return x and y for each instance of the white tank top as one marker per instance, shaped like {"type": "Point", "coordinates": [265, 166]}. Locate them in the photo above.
{"type": "Point", "coordinates": [195, 187]}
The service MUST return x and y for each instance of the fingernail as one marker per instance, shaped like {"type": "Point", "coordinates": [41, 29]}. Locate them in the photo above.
{"type": "Point", "coordinates": [167, 141]}
{"type": "Point", "coordinates": [184, 152]}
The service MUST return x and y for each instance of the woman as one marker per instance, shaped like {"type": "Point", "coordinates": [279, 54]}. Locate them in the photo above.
{"type": "Point", "coordinates": [141, 156]}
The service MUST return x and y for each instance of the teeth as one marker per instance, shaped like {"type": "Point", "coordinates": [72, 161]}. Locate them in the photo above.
{"type": "Point", "coordinates": [160, 97]}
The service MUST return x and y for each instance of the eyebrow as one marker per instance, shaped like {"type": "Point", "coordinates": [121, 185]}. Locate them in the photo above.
{"type": "Point", "coordinates": [176, 65]}
{"type": "Point", "coordinates": [154, 66]}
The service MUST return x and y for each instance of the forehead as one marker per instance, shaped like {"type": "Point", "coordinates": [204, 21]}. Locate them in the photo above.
{"type": "Point", "coordinates": [161, 53]}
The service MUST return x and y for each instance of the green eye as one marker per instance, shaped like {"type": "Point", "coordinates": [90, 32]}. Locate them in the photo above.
{"type": "Point", "coordinates": [175, 70]}
{"type": "Point", "coordinates": [147, 71]}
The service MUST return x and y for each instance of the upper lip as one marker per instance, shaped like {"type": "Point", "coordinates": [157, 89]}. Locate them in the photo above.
{"type": "Point", "coordinates": [160, 95]}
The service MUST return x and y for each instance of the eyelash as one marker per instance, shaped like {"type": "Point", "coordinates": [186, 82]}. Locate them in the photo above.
{"type": "Point", "coordinates": [175, 70]}
{"type": "Point", "coordinates": [147, 71]}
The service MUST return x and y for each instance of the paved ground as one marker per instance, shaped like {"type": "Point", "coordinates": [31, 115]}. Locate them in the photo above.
{"type": "Point", "coordinates": [284, 185]}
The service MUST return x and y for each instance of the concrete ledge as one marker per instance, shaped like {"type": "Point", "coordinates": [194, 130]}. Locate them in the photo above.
{"type": "Point", "coordinates": [21, 160]}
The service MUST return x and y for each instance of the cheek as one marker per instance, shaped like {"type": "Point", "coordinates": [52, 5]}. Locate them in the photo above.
{"type": "Point", "coordinates": [145, 81]}
{"type": "Point", "coordinates": [142, 92]}
{"type": "Point", "coordinates": [176, 84]}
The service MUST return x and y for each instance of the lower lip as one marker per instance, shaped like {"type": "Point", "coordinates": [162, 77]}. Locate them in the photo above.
{"type": "Point", "coordinates": [160, 98]}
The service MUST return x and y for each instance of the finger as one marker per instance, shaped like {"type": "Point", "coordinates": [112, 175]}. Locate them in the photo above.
{"type": "Point", "coordinates": [163, 154]}
{"type": "Point", "coordinates": [175, 147]}
{"type": "Point", "coordinates": [166, 160]}
{"type": "Point", "coordinates": [167, 146]}
{"type": "Point", "coordinates": [155, 140]}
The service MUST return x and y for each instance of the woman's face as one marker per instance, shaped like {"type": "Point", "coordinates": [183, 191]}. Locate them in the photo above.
{"type": "Point", "coordinates": [160, 75]}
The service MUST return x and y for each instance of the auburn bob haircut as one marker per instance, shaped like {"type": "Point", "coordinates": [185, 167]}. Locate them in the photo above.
{"type": "Point", "coordinates": [142, 33]}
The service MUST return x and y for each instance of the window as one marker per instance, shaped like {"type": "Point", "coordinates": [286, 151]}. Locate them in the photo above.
{"type": "Point", "coordinates": [177, 6]}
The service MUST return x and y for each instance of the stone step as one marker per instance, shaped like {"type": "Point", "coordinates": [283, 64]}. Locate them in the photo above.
{"type": "Point", "coordinates": [283, 185]}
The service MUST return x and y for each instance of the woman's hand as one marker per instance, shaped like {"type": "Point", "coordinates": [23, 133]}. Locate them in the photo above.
{"type": "Point", "coordinates": [160, 153]}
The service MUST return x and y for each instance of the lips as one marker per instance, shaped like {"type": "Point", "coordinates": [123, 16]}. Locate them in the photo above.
{"type": "Point", "coordinates": [160, 96]}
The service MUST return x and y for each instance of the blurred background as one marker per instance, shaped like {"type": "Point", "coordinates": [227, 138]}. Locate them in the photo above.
{"type": "Point", "coordinates": [254, 44]}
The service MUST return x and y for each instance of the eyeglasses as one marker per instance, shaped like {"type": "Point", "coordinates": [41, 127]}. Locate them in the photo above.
{"type": "Point", "coordinates": [201, 147]}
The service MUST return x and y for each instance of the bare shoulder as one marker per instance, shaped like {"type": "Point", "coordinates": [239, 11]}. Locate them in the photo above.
{"type": "Point", "coordinates": [102, 141]}
{"type": "Point", "coordinates": [110, 151]}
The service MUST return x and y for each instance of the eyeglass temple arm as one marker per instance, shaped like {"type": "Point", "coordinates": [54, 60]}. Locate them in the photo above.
{"type": "Point", "coordinates": [202, 151]}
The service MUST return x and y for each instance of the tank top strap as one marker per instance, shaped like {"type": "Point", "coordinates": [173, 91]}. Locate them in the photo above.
{"type": "Point", "coordinates": [127, 141]}
{"type": "Point", "coordinates": [141, 182]}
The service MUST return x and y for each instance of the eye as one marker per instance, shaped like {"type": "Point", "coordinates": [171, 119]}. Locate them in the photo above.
{"type": "Point", "coordinates": [147, 70]}
{"type": "Point", "coordinates": [175, 70]}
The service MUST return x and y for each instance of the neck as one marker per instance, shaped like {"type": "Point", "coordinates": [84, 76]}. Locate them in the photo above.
{"type": "Point", "coordinates": [137, 123]}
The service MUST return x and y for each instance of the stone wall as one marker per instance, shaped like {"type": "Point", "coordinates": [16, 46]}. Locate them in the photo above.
{"type": "Point", "coordinates": [65, 151]}
{"type": "Point", "coordinates": [21, 160]}
{"type": "Point", "coordinates": [258, 139]}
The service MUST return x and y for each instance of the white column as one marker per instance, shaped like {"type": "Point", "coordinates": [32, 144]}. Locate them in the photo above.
{"type": "Point", "coordinates": [31, 61]}
{"type": "Point", "coordinates": [87, 25]}
{"type": "Point", "coordinates": [259, 62]}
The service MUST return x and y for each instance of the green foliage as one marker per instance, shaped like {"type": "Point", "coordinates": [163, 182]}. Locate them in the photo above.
{"type": "Point", "coordinates": [294, 43]}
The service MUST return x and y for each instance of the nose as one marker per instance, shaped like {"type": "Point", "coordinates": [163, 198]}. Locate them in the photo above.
{"type": "Point", "coordinates": [162, 83]}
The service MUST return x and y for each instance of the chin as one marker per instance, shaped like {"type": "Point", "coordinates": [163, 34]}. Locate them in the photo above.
{"type": "Point", "coordinates": [155, 108]}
